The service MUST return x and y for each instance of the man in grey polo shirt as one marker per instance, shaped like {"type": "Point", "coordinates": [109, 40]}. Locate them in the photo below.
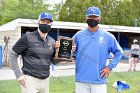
{"type": "Point", "coordinates": [36, 49]}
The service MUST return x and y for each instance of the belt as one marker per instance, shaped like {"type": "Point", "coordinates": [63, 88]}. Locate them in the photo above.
{"type": "Point", "coordinates": [26, 73]}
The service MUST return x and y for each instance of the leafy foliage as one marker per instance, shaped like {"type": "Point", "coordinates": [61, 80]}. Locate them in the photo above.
{"type": "Point", "coordinates": [114, 12]}
{"type": "Point", "coordinates": [13, 9]}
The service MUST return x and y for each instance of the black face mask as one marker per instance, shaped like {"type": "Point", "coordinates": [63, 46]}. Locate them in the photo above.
{"type": "Point", "coordinates": [135, 42]}
{"type": "Point", "coordinates": [92, 22]}
{"type": "Point", "coordinates": [44, 28]}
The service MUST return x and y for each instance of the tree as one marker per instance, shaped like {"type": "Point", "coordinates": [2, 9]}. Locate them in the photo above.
{"type": "Point", "coordinates": [22, 9]}
{"type": "Point", "coordinates": [137, 10]}
{"type": "Point", "coordinates": [125, 13]}
{"type": "Point", "coordinates": [2, 4]}
{"type": "Point", "coordinates": [114, 12]}
{"type": "Point", "coordinates": [74, 10]}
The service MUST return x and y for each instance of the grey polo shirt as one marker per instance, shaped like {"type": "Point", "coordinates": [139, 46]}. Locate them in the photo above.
{"type": "Point", "coordinates": [36, 54]}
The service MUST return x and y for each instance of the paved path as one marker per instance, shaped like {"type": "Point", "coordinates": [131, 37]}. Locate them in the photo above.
{"type": "Point", "coordinates": [63, 70]}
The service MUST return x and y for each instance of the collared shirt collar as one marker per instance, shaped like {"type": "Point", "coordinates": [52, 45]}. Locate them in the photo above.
{"type": "Point", "coordinates": [92, 33]}
{"type": "Point", "coordinates": [39, 37]}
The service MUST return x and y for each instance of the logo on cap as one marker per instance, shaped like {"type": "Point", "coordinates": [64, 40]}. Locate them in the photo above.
{"type": "Point", "coordinates": [93, 11]}
{"type": "Point", "coordinates": [45, 15]}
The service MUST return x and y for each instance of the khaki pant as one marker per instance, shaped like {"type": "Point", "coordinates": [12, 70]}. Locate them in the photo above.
{"type": "Point", "coordinates": [90, 88]}
{"type": "Point", "coordinates": [35, 85]}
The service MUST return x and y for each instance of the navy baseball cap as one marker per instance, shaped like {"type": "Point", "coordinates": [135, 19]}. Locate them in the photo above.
{"type": "Point", "coordinates": [45, 15]}
{"type": "Point", "coordinates": [93, 11]}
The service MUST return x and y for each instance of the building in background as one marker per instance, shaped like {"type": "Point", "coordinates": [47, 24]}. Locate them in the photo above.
{"type": "Point", "coordinates": [12, 31]}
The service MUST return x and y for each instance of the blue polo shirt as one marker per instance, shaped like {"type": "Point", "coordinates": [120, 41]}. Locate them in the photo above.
{"type": "Point", "coordinates": [92, 50]}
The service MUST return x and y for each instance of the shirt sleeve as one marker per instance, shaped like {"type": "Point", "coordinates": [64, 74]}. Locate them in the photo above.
{"type": "Point", "coordinates": [14, 63]}
{"type": "Point", "coordinates": [117, 51]}
{"type": "Point", "coordinates": [21, 45]}
{"type": "Point", "coordinates": [75, 40]}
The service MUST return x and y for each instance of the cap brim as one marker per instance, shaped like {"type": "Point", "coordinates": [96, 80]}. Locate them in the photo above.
{"type": "Point", "coordinates": [93, 15]}
{"type": "Point", "coordinates": [47, 19]}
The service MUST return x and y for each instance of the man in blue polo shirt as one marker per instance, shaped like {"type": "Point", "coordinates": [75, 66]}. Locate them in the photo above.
{"type": "Point", "coordinates": [93, 45]}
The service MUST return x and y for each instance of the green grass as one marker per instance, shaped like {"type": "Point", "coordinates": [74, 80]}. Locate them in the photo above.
{"type": "Point", "coordinates": [9, 86]}
{"type": "Point", "coordinates": [62, 85]}
{"type": "Point", "coordinates": [131, 78]}
{"type": "Point", "coordinates": [67, 84]}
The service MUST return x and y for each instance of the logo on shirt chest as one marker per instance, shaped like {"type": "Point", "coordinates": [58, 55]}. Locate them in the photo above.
{"type": "Point", "coordinates": [101, 39]}
{"type": "Point", "coordinates": [36, 44]}
{"type": "Point", "coordinates": [50, 46]}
